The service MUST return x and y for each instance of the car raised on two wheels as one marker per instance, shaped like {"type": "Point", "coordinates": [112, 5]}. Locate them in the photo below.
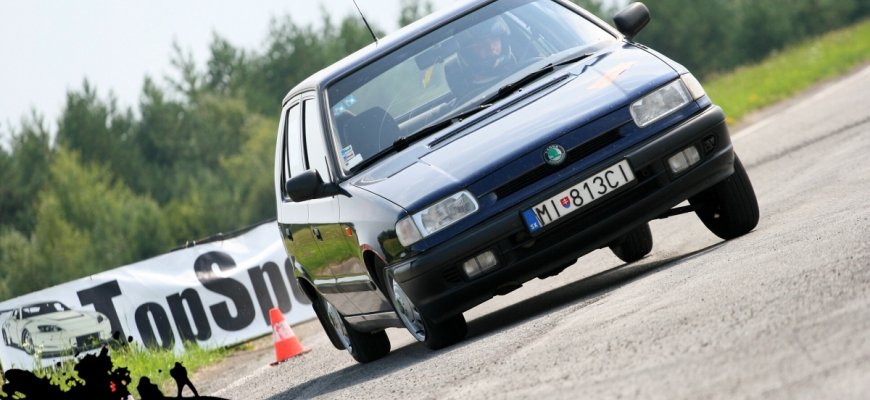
{"type": "Point", "coordinates": [414, 181]}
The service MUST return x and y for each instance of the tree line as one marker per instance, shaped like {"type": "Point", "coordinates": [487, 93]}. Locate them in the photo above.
{"type": "Point", "coordinates": [103, 186]}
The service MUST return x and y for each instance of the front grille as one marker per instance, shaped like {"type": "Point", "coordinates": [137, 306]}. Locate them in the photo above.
{"type": "Point", "coordinates": [451, 276]}
{"type": "Point", "coordinates": [543, 170]}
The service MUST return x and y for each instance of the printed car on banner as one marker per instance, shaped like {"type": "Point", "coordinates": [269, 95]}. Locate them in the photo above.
{"type": "Point", "coordinates": [484, 146]}
{"type": "Point", "coordinates": [54, 329]}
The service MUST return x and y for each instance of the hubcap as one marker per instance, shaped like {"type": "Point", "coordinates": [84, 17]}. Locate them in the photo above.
{"type": "Point", "coordinates": [28, 341]}
{"type": "Point", "coordinates": [408, 312]}
{"type": "Point", "coordinates": [338, 325]}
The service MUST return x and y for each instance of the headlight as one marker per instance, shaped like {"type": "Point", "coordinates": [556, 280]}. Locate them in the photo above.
{"type": "Point", "coordinates": [438, 216]}
{"type": "Point", "coordinates": [49, 328]}
{"type": "Point", "coordinates": [660, 103]}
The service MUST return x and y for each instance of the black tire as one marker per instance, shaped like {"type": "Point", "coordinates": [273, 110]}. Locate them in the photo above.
{"type": "Point", "coordinates": [320, 311]}
{"type": "Point", "coordinates": [363, 346]}
{"type": "Point", "coordinates": [445, 334]}
{"type": "Point", "coordinates": [729, 208]}
{"type": "Point", "coordinates": [633, 245]}
{"type": "Point", "coordinates": [433, 335]}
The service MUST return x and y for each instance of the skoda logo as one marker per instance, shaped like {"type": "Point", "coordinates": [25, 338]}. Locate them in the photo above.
{"type": "Point", "coordinates": [554, 154]}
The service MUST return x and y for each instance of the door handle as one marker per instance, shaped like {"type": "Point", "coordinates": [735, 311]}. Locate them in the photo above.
{"type": "Point", "coordinates": [317, 234]}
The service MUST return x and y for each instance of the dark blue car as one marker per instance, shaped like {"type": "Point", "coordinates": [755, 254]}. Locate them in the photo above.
{"type": "Point", "coordinates": [482, 147]}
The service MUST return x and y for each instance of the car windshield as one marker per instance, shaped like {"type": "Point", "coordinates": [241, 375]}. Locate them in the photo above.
{"type": "Point", "coordinates": [451, 69]}
{"type": "Point", "coordinates": [44, 308]}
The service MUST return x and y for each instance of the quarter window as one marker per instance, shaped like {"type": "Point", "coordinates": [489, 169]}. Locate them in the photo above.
{"type": "Point", "coordinates": [291, 153]}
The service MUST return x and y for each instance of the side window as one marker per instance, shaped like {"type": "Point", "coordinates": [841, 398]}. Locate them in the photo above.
{"type": "Point", "coordinates": [293, 162]}
{"type": "Point", "coordinates": [314, 143]}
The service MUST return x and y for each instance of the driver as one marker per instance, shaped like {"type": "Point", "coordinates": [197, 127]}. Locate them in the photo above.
{"type": "Point", "coordinates": [484, 54]}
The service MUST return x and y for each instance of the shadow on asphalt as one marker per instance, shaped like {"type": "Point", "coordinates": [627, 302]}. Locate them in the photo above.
{"type": "Point", "coordinates": [590, 288]}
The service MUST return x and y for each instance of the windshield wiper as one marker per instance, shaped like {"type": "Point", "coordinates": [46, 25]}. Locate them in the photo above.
{"type": "Point", "coordinates": [427, 130]}
{"type": "Point", "coordinates": [574, 59]}
{"type": "Point", "coordinates": [450, 119]}
{"type": "Point", "coordinates": [506, 90]}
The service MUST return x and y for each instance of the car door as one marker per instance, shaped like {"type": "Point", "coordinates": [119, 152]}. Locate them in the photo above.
{"type": "Point", "coordinates": [323, 214]}
{"type": "Point", "coordinates": [293, 223]}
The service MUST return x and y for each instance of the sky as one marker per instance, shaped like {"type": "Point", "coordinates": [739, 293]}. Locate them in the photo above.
{"type": "Point", "coordinates": [49, 47]}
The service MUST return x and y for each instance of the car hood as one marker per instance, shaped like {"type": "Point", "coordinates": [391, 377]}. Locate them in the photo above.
{"type": "Point", "coordinates": [436, 168]}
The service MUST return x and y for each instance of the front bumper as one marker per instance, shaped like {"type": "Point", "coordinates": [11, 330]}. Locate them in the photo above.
{"type": "Point", "coordinates": [433, 282]}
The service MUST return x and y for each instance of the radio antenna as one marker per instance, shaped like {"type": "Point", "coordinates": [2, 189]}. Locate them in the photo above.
{"type": "Point", "coordinates": [366, 22]}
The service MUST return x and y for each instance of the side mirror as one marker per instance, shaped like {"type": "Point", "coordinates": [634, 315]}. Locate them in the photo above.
{"type": "Point", "coordinates": [308, 185]}
{"type": "Point", "coordinates": [631, 20]}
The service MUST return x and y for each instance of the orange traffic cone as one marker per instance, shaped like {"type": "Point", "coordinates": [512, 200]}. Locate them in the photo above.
{"type": "Point", "coordinates": [286, 343]}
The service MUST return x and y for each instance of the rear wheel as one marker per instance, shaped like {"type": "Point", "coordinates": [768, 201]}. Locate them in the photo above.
{"type": "Point", "coordinates": [433, 335]}
{"type": "Point", "coordinates": [729, 208]}
{"type": "Point", "coordinates": [363, 346]}
{"type": "Point", "coordinates": [633, 245]}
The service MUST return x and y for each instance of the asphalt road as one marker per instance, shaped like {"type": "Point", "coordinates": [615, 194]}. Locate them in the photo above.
{"type": "Point", "coordinates": [783, 312]}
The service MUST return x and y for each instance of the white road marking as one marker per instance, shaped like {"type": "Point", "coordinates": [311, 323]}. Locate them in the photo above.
{"type": "Point", "coordinates": [241, 381]}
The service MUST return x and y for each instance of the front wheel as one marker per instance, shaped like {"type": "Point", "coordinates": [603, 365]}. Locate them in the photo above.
{"type": "Point", "coordinates": [433, 335]}
{"type": "Point", "coordinates": [320, 310]}
{"type": "Point", "coordinates": [729, 208]}
{"type": "Point", "coordinates": [27, 342]}
{"type": "Point", "coordinates": [633, 245]}
{"type": "Point", "coordinates": [363, 346]}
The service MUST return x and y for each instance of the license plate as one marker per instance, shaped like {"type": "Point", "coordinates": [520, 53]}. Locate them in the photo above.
{"type": "Point", "coordinates": [578, 196]}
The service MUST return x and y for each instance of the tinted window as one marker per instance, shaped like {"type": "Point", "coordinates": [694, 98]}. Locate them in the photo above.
{"type": "Point", "coordinates": [451, 69]}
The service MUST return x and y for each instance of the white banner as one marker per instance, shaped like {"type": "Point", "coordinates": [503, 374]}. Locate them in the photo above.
{"type": "Point", "coordinates": [214, 294]}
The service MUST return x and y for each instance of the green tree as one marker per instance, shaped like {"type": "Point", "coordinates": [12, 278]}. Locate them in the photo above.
{"type": "Point", "coordinates": [85, 224]}
{"type": "Point", "coordinates": [23, 173]}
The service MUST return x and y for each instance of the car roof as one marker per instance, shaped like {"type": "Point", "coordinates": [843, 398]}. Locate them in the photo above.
{"type": "Point", "coordinates": [395, 40]}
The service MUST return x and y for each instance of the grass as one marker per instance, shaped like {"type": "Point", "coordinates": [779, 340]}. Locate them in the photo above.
{"type": "Point", "coordinates": [155, 364]}
{"type": "Point", "coordinates": [790, 71]}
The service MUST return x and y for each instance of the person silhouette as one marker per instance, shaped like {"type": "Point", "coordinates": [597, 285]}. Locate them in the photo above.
{"type": "Point", "coordinates": [179, 373]}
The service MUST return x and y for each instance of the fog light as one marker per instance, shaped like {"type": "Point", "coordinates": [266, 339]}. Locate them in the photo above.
{"type": "Point", "coordinates": [477, 265]}
{"type": "Point", "coordinates": [692, 155]}
{"type": "Point", "coordinates": [681, 161]}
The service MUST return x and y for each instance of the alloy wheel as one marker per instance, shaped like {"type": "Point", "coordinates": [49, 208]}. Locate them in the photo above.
{"type": "Point", "coordinates": [338, 324]}
{"type": "Point", "coordinates": [407, 311]}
